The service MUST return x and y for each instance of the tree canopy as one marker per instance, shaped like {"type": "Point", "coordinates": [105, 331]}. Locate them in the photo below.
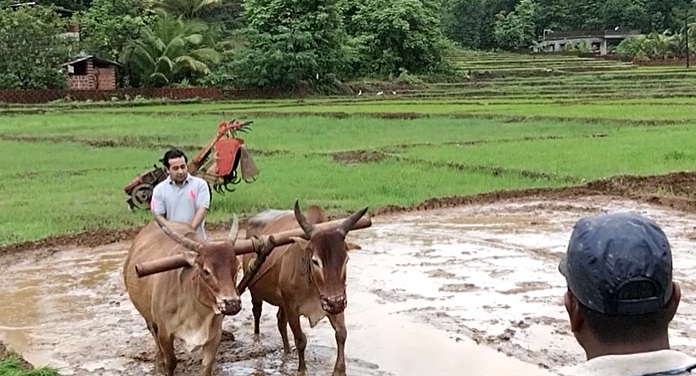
{"type": "Point", "coordinates": [320, 43]}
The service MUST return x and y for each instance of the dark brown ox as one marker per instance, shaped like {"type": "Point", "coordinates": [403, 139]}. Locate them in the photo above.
{"type": "Point", "coordinates": [187, 303]}
{"type": "Point", "coordinates": [307, 277]}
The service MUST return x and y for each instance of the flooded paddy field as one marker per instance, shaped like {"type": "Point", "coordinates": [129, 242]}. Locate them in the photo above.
{"type": "Point", "coordinates": [471, 289]}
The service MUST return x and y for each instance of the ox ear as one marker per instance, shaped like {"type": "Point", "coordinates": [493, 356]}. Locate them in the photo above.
{"type": "Point", "coordinates": [301, 241]}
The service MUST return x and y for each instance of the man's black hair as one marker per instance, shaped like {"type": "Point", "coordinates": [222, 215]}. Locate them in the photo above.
{"type": "Point", "coordinates": [628, 329]}
{"type": "Point", "coordinates": [171, 154]}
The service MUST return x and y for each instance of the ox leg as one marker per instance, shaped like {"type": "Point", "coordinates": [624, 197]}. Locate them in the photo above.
{"type": "Point", "coordinates": [300, 339]}
{"type": "Point", "coordinates": [283, 329]}
{"type": "Point", "coordinates": [339, 324]}
{"type": "Point", "coordinates": [257, 306]}
{"type": "Point", "coordinates": [166, 342]}
{"type": "Point", "coordinates": [152, 327]}
{"type": "Point", "coordinates": [210, 350]}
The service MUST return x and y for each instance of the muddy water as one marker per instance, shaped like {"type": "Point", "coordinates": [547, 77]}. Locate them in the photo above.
{"type": "Point", "coordinates": [423, 291]}
{"type": "Point", "coordinates": [490, 272]}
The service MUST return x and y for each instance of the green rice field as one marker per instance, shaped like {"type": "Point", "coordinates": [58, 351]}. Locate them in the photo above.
{"type": "Point", "coordinates": [516, 122]}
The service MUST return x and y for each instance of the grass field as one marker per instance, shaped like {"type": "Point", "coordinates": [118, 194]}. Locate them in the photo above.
{"type": "Point", "coordinates": [11, 366]}
{"type": "Point", "coordinates": [519, 122]}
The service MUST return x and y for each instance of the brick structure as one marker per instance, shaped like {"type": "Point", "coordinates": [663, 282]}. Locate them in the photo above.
{"type": "Point", "coordinates": [45, 96]}
{"type": "Point", "coordinates": [599, 41]}
{"type": "Point", "coordinates": [91, 73]}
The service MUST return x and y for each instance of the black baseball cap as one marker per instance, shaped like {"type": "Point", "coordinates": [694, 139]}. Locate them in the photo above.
{"type": "Point", "coordinates": [607, 252]}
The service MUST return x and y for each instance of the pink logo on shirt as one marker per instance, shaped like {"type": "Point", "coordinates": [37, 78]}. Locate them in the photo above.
{"type": "Point", "coordinates": [152, 204]}
{"type": "Point", "coordinates": [191, 195]}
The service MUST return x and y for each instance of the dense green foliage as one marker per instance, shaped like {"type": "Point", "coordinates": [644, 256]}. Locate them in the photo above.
{"type": "Point", "coordinates": [32, 49]}
{"type": "Point", "coordinates": [502, 23]}
{"type": "Point", "coordinates": [291, 42]}
{"type": "Point", "coordinates": [318, 44]}
{"type": "Point", "coordinates": [235, 43]}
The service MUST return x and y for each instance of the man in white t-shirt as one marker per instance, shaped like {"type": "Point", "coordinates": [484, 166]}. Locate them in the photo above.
{"type": "Point", "coordinates": [181, 197]}
{"type": "Point", "coordinates": [621, 297]}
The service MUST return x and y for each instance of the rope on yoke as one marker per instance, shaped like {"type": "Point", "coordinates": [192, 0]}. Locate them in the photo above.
{"type": "Point", "coordinates": [257, 244]}
{"type": "Point", "coordinates": [262, 246]}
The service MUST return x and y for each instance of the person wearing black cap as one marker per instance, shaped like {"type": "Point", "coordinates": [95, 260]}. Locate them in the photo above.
{"type": "Point", "coordinates": [621, 297]}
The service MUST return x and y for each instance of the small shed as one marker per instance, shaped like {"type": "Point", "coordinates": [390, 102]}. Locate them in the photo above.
{"type": "Point", "coordinates": [599, 40]}
{"type": "Point", "coordinates": [89, 72]}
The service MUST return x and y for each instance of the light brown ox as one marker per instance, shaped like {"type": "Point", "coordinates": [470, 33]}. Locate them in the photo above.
{"type": "Point", "coordinates": [307, 277]}
{"type": "Point", "coordinates": [187, 303]}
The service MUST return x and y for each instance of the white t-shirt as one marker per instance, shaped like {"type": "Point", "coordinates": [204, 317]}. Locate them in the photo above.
{"type": "Point", "coordinates": [660, 362]}
{"type": "Point", "coordinates": [180, 202]}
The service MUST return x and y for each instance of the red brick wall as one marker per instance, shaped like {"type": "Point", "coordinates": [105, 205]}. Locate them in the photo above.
{"type": "Point", "coordinates": [212, 93]}
{"type": "Point", "coordinates": [107, 78]}
{"type": "Point", "coordinates": [99, 78]}
{"type": "Point", "coordinates": [82, 82]}
{"type": "Point", "coordinates": [44, 96]}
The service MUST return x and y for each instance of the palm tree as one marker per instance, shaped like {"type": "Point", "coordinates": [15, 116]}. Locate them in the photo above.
{"type": "Point", "coordinates": [660, 44]}
{"type": "Point", "coordinates": [680, 39]}
{"type": "Point", "coordinates": [185, 8]}
{"type": "Point", "coordinates": [635, 46]}
{"type": "Point", "coordinates": [171, 50]}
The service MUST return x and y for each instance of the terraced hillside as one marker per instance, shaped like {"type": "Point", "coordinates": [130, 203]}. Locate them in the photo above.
{"type": "Point", "coordinates": [506, 76]}
{"type": "Point", "coordinates": [492, 83]}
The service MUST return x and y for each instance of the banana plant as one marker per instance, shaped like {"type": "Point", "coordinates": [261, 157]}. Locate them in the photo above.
{"type": "Point", "coordinates": [186, 8]}
{"type": "Point", "coordinates": [173, 49]}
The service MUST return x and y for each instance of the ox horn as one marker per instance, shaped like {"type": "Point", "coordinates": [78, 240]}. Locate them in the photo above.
{"type": "Point", "coordinates": [302, 220]}
{"type": "Point", "coordinates": [234, 231]}
{"type": "Point", "coordinates": [349, 222]}
{"type": "Point", "coordinates": [186, 242]}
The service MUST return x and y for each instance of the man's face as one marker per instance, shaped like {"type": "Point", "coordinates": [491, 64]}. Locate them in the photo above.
{"type": "Point", "coordinates": [177, 169]}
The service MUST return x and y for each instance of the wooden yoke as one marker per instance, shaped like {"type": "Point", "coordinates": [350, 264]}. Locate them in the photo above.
{"type": "Point", "coordinates": [244, 246]}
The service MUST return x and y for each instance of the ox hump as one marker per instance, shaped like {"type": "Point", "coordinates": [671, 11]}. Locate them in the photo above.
{"type": "Point", "coordinates": [267, 216]}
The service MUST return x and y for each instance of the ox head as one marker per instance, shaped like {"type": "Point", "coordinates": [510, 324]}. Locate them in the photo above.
{"type": "Point", "coordinates": [328, 257]}
{"type": "Point", "coordinates": [215, 267]}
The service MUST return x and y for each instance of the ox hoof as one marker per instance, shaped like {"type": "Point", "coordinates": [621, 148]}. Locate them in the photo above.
{"type": "Point", "coordinates": [168, 369]}
{"type": "Point", "coordinates": [301, 369]}
{"type": "Point", "coordinates": [227, 336]}
{"type": "Point", "coordinates": [352, 246]}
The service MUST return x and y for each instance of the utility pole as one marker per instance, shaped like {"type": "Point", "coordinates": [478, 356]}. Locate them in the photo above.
{"type": "Point", "coordinates": [686, 38]}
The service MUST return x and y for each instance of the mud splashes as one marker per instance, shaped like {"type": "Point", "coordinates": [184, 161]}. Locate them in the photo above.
{"type": "Point", "coordinates": [430, 293]}
{"type": "Point", "coordinates": [490, 272]}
